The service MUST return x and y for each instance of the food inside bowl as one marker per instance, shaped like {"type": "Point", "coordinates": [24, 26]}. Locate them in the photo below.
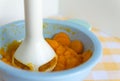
{"type": "Point", "coordinates": [70, 53]}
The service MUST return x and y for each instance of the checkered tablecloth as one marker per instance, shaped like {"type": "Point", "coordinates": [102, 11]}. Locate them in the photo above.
{"type": "Point", "coordinates": [108, 69]}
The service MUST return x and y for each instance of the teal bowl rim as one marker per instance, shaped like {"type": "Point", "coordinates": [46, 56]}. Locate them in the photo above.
{"type": "Point", "coordinates": [61, 74]}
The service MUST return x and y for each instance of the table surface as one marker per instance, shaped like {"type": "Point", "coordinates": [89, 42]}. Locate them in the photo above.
{"type": "Point", "coordinates": [108, 69]}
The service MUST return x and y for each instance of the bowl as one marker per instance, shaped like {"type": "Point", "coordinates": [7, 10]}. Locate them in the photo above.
{"type": "Point", "coordinates": [16, 31]}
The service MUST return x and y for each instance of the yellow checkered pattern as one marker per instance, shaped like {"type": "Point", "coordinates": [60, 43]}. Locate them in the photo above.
{"type": "Point", "coordinates": [108, 69]}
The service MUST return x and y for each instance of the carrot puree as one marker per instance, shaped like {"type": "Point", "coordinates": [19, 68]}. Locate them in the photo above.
{"type": "Point", "coordinates": [70, 53]}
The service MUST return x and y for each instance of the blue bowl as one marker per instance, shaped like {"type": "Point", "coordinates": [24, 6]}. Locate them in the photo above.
{"type": "Point", "coordinates": [16, 31]}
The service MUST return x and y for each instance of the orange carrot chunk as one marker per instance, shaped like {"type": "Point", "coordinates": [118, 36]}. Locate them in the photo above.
{"type": "Point", "coordinates": [62, 38]}
{"type": "Point", "coordinates": [77, 46]}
